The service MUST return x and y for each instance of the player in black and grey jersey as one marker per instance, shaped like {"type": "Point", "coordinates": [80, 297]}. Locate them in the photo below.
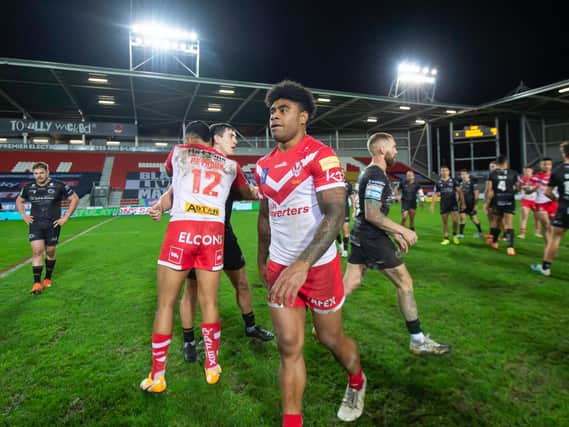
{"type": "Point", "coordinates": [449, 191]}
{"type": "Point", "coordinates": [407, 194]}
{"type": "Point", "coordinates": [501, 188]}
{"type": "Point", "coordinates": [559, 179]}
{"type": "Point", "coordinates": [45, 219]}
{"type": "Point", "coordinates": [469, 203]}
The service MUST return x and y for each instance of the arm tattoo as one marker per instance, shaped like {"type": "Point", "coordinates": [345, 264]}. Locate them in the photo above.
{"type": "Point", "coordinates": [263, 232]}
{"type": "Point", "coordinates": [374, 216]}
{"type": "Point", "coordinates": [332, 204]}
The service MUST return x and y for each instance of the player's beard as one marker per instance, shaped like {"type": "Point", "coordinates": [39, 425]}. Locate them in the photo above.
{"type": "Point", "coordinates": [389, 160]}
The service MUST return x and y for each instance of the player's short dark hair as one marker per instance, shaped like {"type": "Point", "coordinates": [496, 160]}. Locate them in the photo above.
{"type": "Point", "coordinates": [565, 148]}
{"type": "Point", "coordinates": [547, 159]}
{"type": "Point", "coordinates": [528, 166]}
{"type": "Point", "coordinates": [40, 165]}
{"type": "Point", "coordinates": [219, 128]}
{"type": "Point", "coordinates": [464, 170]}
{"type": "Point", "coordinates": [444, 167]}
{"type": "Point", "coordinates": [500, 160]}
{"type": "Point", "coordinates": [293, 91]}
{"type": "Point", "coordinates": [199, 129]}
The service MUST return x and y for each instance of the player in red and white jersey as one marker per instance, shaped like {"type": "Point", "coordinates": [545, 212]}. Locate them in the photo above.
{"type": "Point", "coordinates": [544, 206]}
{"type": "Point", "coordinates": [202, 179]}
{"type": "Point", "coordinates": [528, 202]}
{"type": "Point", "coordinates": [301, 185]}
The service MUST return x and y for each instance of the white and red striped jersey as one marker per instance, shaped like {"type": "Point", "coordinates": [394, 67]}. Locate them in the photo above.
{"type": "Point", "coordinates": [201, 180]}
{"type": "Point", "coordinates": [289, 181]}
{"type": "Point", "coordinates": [541, 179]}
{"type": "Point", "coordinates": [526, 181]}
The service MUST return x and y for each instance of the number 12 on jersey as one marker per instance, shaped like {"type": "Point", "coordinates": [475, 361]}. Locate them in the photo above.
{"type": "Point", "coordinates": [205, 181]}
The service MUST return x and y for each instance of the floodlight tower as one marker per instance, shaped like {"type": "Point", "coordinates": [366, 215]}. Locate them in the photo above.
{"type": "Point", "coordinates": [153, 40]}
{"type": "Point", "coordinates": [414, 83]}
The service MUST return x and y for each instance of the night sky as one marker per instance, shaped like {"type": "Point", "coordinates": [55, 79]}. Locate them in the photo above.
{"type": "Point", "coordinates": [481, 50]}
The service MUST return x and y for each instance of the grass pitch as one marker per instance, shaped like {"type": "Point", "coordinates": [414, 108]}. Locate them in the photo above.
{"type": "Point", "coordinates": [76, 354]}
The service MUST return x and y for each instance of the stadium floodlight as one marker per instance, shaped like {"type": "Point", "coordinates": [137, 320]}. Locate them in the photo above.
{"type": "Point", "coordinates": [160, 39]}
{"type": "Point", "coordinates": [161, 144]}
{"type": "Point", "coordinates": [110, 142]}
{"type": "Point", "coordinates": [106, 101]}
{"type": "Point", "coordinates": [563, 90]}
{"type": "Point", "coordinates": [414, 82]}
{"type": "Point", "coordinates": [450, 111]}
{"type": "Point", "coordinates": [3, 140]}
{"type": "Point", "coordinates": [323, 99]}
{"type": "Point", "coordinates": [371, 120]}
{"type": "Point", "coordinates": [76, 141]}
{"type": "Point", "coordinates": [404, 107]}
{"type": "Point", "coordinates": [40, 140]}
{"type": "Point", "coordinates": [214, 108]}
{"type": "Point", "coordinates": [420, 121]}
{"type": "Point", "coordinates": [226, 91]}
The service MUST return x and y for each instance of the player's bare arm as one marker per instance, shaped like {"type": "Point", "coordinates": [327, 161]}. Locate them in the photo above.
{"type": "Point", "coordinates": [433, 201]}
{"type": "Point", "coordinates": [28, 219]}
{"type": "Point", "coordinates": [374, 216]}
{"type": "Point", "coordinates": [332, 204]}
{"type": "Point", "coordinates": [550, 194]}
{"type": "Point", "coordinates": [488, 194]}
{"type": "Point", "coordinates": [264, 239]}
{"type": "Point", "coordinates": [73, 202]}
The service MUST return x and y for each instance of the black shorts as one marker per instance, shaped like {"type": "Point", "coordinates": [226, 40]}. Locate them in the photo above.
{"type": "Point", "coordinates": [504, 209]}
{"type": "Point", "coordinates": [469, 210]}
{"type": "Point", "coordinates": [44, 231]}
{"type": "Point", "coordinates": [347, 214]}
{"type": "Point", "coordinates": [408, 204]}
{"type": "Point", "coordinates": [377, 252]}
{"type": "Point", "coordinates": [447, 208]}
{"type": "Point", "coordinates": [561, 218]}
{"type": "Point", "coordinates": [233, 258]}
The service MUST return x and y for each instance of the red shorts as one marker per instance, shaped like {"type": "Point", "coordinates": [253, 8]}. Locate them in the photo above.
{"type": "Point", "coordinates": [323, 290]}
{"type": "Point", "coordinates": [193, 244]}
{"type": "Point", "coordinates": [530, 204]}
{"type": "Point", "coordinates": [549, 207]}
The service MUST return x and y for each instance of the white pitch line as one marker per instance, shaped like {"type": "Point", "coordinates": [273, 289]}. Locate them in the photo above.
{"type": "Point", "coordinates": [27, 261]}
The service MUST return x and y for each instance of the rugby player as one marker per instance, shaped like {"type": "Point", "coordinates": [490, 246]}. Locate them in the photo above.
{"type": "Point", "coordinates": [344, 238]}
{"type": "Point", "coordinates": [224, 141]}
{"type": "Point", "coordinates": [544, 206]}
{"type": "Point", "coordinates": [372, 245]}
{"type": "Point", "coordinates": [469, 203]}
{"type": "Point", "coordinates": [501, 187]}
{"type": "Point", "coordinates": [528, 203]}
{"type": "Point", "coordinates": [301, 185]}
{"type": "Point", "coordinates": [559, 179]}
{"type": "Point", "coordinates": [201, 180]}
{"type": "Point", "coordinates": [449, 191]}
{"type": "Point", "coordinates": [45, 220]}
{"type": "Point", "coordinates": [408, 198]}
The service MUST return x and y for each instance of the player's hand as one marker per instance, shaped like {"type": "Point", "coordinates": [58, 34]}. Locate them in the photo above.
{"type": "Point", "coordinates": [401, 242]}
{"type": "Point", "coordinates": [155, 211]}
{"type": "Point", "coordinates": [291, 279]}
{"type": "Point", "coordinates": [254, 191]}
{"type": "Point", "coordinates": [28, 219]}
{"type": "Point", "coordinates": [59, 222]}
{"type": "Point", "coordinates": [409, 236]}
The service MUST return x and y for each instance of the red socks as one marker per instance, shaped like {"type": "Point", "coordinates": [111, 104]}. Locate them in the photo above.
{"type": "Point", "coordinates": [160, 345]}
{"type": "Point", "coordinates": [211, 333]}
{"type": "Point", "coordinates": [292, 420]}
{"type": "Point", "coordinates": [356, 381]}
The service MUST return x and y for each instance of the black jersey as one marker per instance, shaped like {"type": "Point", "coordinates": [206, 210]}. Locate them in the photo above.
{"type": "Point", "coordinates": [504, 185]}
{"type": "Point", "coordinates": [409, 191]}
{"type": "Point", "coordinates": [372, 184]}
{"type": "Point", "coordinates": [349, 192]}
{"type": "Point", "coordinates": [468, 189]}
{"type": "Point", "coordinates": [560, 179]}
{"type": "Point", "coordinates": [447, 191]}
{"type": "Point", "coordinates": [46, 200]}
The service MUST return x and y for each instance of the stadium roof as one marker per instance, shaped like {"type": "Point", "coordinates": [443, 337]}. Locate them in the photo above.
{"type": "Point", "coordinates": [160, 103]}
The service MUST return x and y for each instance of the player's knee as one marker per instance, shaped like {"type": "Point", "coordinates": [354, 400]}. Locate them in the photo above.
{"type": "Point", "coordinates": [37, 252]}
{"type": "Point", "coordinates": [290, 344]}
{"type": "Point", "coordinates": [241, 285]}
{"type": "Point", "coordinates": [330, 339]}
